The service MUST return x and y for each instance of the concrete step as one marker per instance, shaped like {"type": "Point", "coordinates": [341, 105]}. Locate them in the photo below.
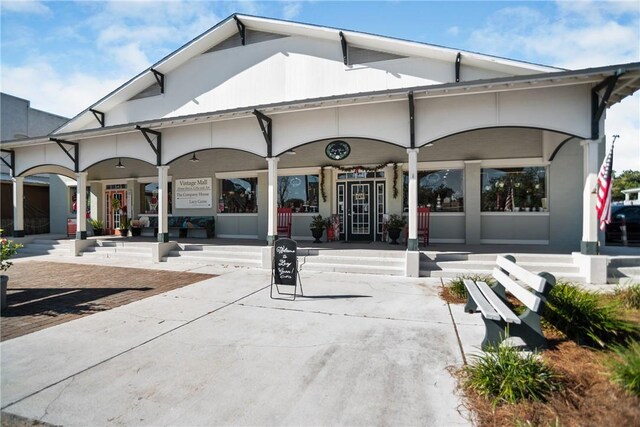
{"type": "Point", "coordinates": [554, 268]}
{"type": "Point", "coordinates": [626, 274]}
{"type": "Point", "coordinates": [624, 261]}
{"type": "Point", "coordinates": [353, 260]}
{"type": "Point", "coordinates": [202, 258]}
{"type": "Point", "coordinates": [453, 273]}
{"type": "Point", "coordinates": [194, 247]}
{"type": "Point", "coordinates": [352, 268]}
{"type": "Point", "coordinates": [45, 247]}
{"type": "Point", "coordinates": [465, 256]}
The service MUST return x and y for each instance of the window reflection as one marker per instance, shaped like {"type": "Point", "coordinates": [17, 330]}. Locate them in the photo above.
{"type": "Point", "coordinates": [238, 195]}
{"type": "Point", "coordinates": [299, 192]}
{"type": "Point", "coordinates": [441, 190]}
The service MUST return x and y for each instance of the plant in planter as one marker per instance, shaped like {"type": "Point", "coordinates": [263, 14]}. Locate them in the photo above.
{"type": "Point", "coordinates": [124, 226]}
{"type": "Point", "coordinates": [98, 226]}
{"type": "Point", "coordinates": [394, 226]}
{"type": "Point", "coordinates": [136, 227]}
{"type": "Point", "coordinates": [317, 227]}
{"type": "Point", "coordinates": [9, 249]}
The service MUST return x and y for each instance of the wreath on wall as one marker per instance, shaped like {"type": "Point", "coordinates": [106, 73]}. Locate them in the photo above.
{"type": "Point", "coordinates": [357, 169]}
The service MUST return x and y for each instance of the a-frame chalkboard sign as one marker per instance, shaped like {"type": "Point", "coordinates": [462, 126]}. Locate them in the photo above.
{"type": "Point", "coordinates": [285, 267]}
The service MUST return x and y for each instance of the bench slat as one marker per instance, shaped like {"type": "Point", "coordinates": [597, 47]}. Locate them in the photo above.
{"type": "Point", "coordinates": [527, 298]}
{"type": "Point", "coordinates": [496, 302]}
{"type": "Point", "coordinates": [530, 279]}
{"type": "Point", "coordinates": [483, 305]}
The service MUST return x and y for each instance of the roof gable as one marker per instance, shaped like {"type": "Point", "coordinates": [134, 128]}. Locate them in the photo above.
{"type": "Point", "coordinates": [361, 49]}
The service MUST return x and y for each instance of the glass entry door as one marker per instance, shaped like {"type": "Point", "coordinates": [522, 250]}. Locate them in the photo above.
{"type": "Point", "coordinates": [112, 215]}
{"type": "Point", "coordinates": [360, 211]}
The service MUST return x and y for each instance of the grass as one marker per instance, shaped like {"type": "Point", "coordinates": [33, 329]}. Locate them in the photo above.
{"type": "Point", "coordinates": [506, 375]}
{"type": "Point", "coordinates": [626, 366]}
{"type": "Point", "coordinates": [582, 316]}
{"type": "Point", "coordinates": [457, 288]}
{"type": "Point", "coordinates": [629, 295]}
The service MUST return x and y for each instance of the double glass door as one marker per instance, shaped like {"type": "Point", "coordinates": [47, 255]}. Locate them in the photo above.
{"type": "Point", "coordinates": [360, 207]}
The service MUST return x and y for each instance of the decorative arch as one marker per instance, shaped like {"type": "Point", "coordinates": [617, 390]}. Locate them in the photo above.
{"type": "Point", "coordinates": [441, 138]}
{"type": "Point", "coordinates": [48, 168]}
{"type": "Point", "coordinates": [115, 158]}
{"type": "Point", "coordinates": [340, 137]}
{"type": "Point", "coordinates": [189, 153]}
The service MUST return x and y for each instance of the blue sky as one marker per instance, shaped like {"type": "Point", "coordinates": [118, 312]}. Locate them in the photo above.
{"type": "Point", "coordinates": [65, 55]}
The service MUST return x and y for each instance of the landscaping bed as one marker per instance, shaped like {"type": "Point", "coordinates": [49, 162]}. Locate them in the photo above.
{"type": "Point", "coordinates": [583, 330]}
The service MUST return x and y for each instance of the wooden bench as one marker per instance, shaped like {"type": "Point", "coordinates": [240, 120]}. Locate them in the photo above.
{"type": "Point", "coordinates": [499, 319]}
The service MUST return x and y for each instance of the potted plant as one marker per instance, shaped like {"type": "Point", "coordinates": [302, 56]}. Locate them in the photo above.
{"type": "Point", "coordinates": [394, 226]}
{"type": "Point", "coordinates": [98, 226]}
{"type": "Point", "coordinates": [9, 249]}
{"type": "Point", "coordinates": [317, 227]}
{"type": "Point", "coordinates": [135, 227]}
{"type": "Point", "coordinates": [124, 226]}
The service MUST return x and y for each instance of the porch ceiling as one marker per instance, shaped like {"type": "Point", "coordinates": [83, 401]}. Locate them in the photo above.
{"type": "Point", "coordinates": [483, 144]}
{"type": "Point", "coordinates": [363, 152]}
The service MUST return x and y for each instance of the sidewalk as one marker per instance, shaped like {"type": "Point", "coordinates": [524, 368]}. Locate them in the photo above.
{"type": "Point", "coordinates": [360, 349]}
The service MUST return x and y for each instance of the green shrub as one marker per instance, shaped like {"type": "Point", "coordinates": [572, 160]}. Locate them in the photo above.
{"type": "Point", "coordinates": [457, 288]}
{"type": "Point", "coordinates": [626, 366]}
{"type": "Point", "coordinates": [504, 374]}
{"type": "Point", "coordinates": [581, 316]}
{"type": "Point", "coordinates": [629, 295]}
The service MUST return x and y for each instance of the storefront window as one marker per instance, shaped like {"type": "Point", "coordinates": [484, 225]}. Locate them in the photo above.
{"type": "Point", "coordinates": [514, 190]}
{"type": "Point", "coordinates": [441, 190]}
{"type": "Point", "coordinates": [238, 195]}
{"type": "Point", "coordinates": [299, 192]}
{"type": "Point", "coordinates": [149, 199]}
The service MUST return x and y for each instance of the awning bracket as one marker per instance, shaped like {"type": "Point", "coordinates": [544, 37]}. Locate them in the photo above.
{"type": "Point", "coordinates": [76, 148]}
{"type": "Point", "coordinates": [159, 78]}
{"type": "Point", "coordinates": [458, 62]}
{"type": "Point", "coordinates": [242, 30]}
{"type": "Point", "coordinates": [343, 43]}
{"type": "Point", "coordinates": [99, 115]}
{"type": "Point", "coordinates": [11, 164]}
{"type": "Point", "coordinates": [157, 148]}
{"type": "Point", "coordinates": [599, 105]}
{"type": "Point", "coordinates": [267, 130]}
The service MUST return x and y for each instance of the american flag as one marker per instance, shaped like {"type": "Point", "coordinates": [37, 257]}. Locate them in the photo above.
{"type": "Point", "coordinates": [603, 205]}
{"type": "Point", "coordinates": [508, 203]}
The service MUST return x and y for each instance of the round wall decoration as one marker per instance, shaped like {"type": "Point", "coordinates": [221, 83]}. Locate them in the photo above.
{"type": "Point", "coordinates": [337, 150]}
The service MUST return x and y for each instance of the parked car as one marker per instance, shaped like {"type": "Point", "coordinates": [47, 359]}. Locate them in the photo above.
{"type": "Point", "coordinates": [631, 217]}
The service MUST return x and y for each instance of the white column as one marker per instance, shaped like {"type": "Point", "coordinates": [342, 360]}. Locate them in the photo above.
{"type": "Point", "coordinates": [412, 243]}
{"type": "Point", "coordinates": [272, 224]}
{"type": "Point", "coordinates": [589, 244]}
{"type": "Point", "coordinates": [163, 203]}
{"type": "Point", "coordinates": [81, 205]}
{"type": "Point", "coordinates": [18, 206]}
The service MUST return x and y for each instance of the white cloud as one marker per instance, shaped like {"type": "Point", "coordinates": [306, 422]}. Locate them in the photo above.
{"type": "Point", "coordinates": [454, 31]}
{"type": "Point", "coordinates": [25, 6]}
{"type": "Point", "coordinates": [581, 34]}
{"type": "Point", "coordinates": [291, 10]}
{"type": "Point", "coordinates": [65, 95]}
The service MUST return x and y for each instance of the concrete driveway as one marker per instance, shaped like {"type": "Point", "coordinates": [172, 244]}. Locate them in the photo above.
{"type": "Point", "coordinates": [360, 350]}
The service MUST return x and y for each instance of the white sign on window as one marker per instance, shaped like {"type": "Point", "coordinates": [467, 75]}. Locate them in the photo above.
{"type": "Point", "coordinates": [193, 193]}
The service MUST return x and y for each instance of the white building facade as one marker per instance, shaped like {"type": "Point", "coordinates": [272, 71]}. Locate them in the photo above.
{"type": "Point", "coordinates": [341, 123]}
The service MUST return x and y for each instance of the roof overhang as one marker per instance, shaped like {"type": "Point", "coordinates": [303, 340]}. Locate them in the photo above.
{"type": "Point", "coordinates": [626, 85]}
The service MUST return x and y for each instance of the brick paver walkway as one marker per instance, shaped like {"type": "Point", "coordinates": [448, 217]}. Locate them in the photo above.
{"type": "Point", "coordinates": [44, 294]}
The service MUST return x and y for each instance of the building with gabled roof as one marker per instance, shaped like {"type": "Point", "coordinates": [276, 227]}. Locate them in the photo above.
{"type": "Point", "coordinates": [343, 124]}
